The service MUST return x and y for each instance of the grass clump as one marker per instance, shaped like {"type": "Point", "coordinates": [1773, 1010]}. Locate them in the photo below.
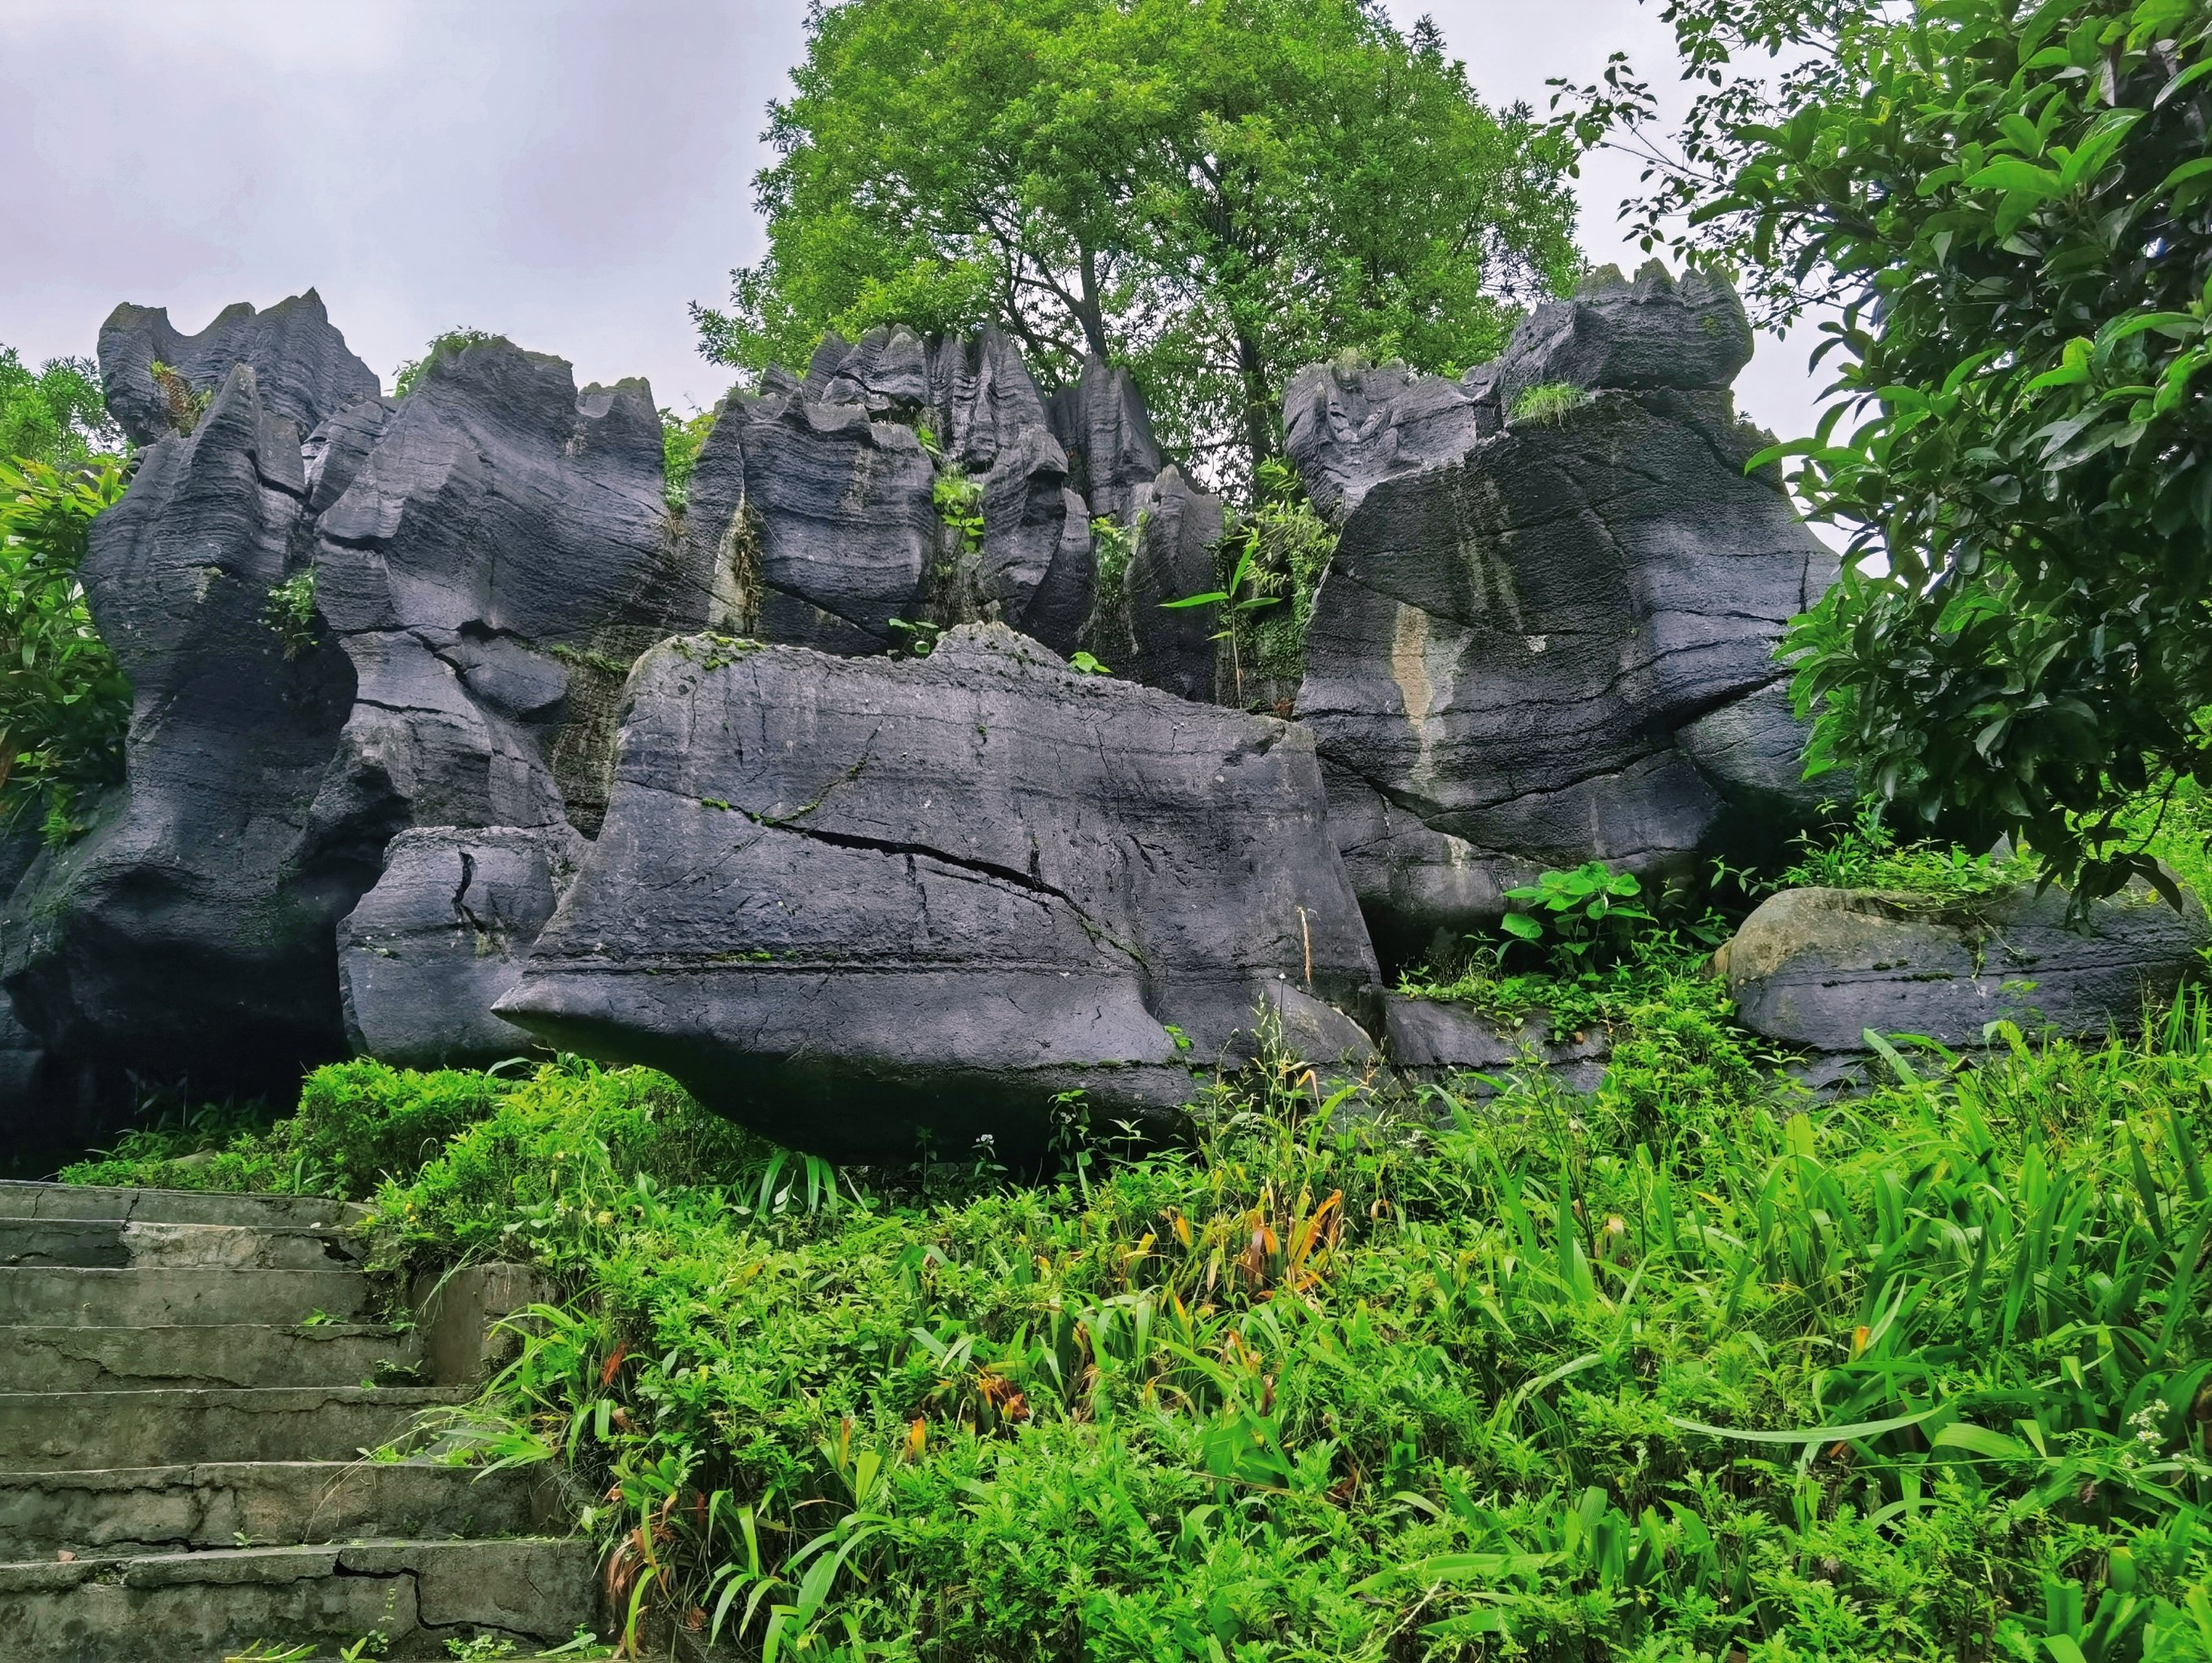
{"type": "Point", "coordinates": [1868, 854]}
{"type": "Point", "coordinates": [1547, 403]}
{"type": "Point", "coordinates": [1693, 1368]}
{"type": "Point", "coordinates": [356, 1121]}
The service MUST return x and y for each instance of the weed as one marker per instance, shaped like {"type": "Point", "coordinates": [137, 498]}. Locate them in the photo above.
{"type": "Point", "coordinates": [290, 612]}
{"type": "Point", "coordinates": [1590, 913]}
{"type": "Point", "coordinates": [182, 405]}
{"type": "Point", "coordinates": [1547, 403]}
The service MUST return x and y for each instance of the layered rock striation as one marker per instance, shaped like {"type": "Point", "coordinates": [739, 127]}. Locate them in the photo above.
{"type": "Point", "coordinates": [1548, 633]}
{"type": "Point", "coordinates": [840, 898]}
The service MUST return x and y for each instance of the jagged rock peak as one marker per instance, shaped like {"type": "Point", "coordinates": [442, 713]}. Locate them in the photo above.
{"type": "Point", "coordinates": [306, 373]}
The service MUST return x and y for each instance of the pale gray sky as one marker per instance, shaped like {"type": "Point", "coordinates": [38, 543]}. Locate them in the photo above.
{"type": "Point", "coordinates": [566, 172]}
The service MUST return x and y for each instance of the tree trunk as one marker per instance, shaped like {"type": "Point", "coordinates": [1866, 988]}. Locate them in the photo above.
{"type": "Point", "coordinates": [1258, 406]}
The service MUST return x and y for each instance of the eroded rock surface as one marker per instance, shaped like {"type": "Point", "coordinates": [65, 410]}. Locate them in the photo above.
{"type": "Point", "coordinates": [1816, 968]}
{"type": "Point", "coordinates": [1557, 645]}
{"type": "Point", "coordinates": [301, 366]}
{"type": "Point", "coordinates": [847, 899]}
{"type": "Point", "coordinates": [413, 614]}
{"type": "Point", "coordinates": [441, 939]}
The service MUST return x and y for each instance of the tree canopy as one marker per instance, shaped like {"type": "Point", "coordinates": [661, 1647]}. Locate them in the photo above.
{"type": "Point", "coordinates": [2009, 206]}
{"type": "Point", "coordinates": [55, 413]}
{"type": "Point", "coordinates": [1211, 193]}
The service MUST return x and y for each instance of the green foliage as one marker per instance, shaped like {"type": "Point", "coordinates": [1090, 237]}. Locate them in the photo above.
{"type": "Point", "coordinates": [55, 414]}
{"type": "Point", "coordinates": [959, 502]}
{"type": "Point", "coordinates": [1867, 855]}
{"type": "Point", "coordinates": [451, 344]}
{"type": "Point", "coordinates": [1211, 194]}
{"type": "Point", "coordinates": [681, 437]}
{"type": "Point", "coordinates": [356, 1121]}
{"type": "Point", "coordinates": [2012, 207]}
{"type": "Point", "coordinates": [1694, 1366]}
{"type": "Point", "coordinates": [184, 405]}
{"type": "Point", "coordinates": [64, 704]}
{"type": "Point", "coordinates": [290, 612]}
{"type": "Point", "coordinates": [1289, 544]}
{"type": "Point", "coordinates": [1589, 912]}
{"type": "Point", "coordinates": [1244, 591]}
{"type": "Point", "coordinates": [1548, 405]}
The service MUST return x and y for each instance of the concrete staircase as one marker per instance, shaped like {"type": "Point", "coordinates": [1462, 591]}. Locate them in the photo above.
{"type": "Point", "coordinates": [187, 1387]}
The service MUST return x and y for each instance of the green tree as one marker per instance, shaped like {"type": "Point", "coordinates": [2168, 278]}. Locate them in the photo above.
{"type": "Point", "coordinates": [65, 703]}
{"type": "Point", "coordinates": [55, 413]}
{"type": "Point", "coordinates": [1212, 193]}
{"type": "Point", "coordinates": [2009, 206]}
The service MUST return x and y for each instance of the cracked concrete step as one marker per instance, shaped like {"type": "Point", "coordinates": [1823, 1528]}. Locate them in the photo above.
{"type": "Point", "coordinates": [126, 1244]}
{"type": "Point", "coordinates": [80, 1430]}
{"type": "Point", "coordinates": [162, 1509]}
{"type": "Point", "coordinates": [52, 1295]}
{"type": "Point", "coordinates": [194, 1607]}
{"type": "Point", "coordinates": [73, 1359]}
{"type": "Point", "coordinates": [171, 1206]}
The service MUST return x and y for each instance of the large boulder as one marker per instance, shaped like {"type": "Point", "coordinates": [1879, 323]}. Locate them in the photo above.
{"type": "Point", "coordinates": [1816, 968]}
{"type": "Point", "coordinates": [1557, 645]}
{"type": "Point", "coordinates": [851, 901]}
{"type": "Point", "coordinates": [301, 368]}
{"type": "Point", "coordinates": [414, 613]}
{"type": "Point", "coordinates": [1347, 425]}
{"type": "Point", "coordinates": [441, 939]}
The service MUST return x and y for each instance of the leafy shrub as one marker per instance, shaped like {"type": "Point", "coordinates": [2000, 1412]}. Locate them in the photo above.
{"type": "Point", "coordinates": [183, 404]}
{"type": "Point", "coordinates": [1693, 1367]}
{"type": "Point", "coordinates": [357, 1122]}
{"type": "Point", "coordinates": [290, 612]}
{"type": "Point", "coordinates": [55, 414]}
{"type": "Point", "coordinates": [1589, 912]}
{"type": "Point", "coordinates": [681, 437]}
{"type": "Point", "coordinates": [1548, 404]}
{"type": "Point", "coordinates": [1867, 855]}
{"type": "Point", "coordinates": [1289, 544]}
{"type": "Point", "coordinates": [65, 703]}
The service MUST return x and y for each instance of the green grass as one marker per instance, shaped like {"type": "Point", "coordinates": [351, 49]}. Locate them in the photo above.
{"type": "Point", "coordinates": [1692, 1367]}
{"type": "Point", "coordinates": [1549, 404]}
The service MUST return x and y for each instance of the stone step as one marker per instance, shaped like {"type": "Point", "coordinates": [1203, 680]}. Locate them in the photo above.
{"type": "Point", "coordinates": [124, 1244]}
{"type": "Point", "coordinates": [171, 1206]}
{"type": "Point", "coordinates": [79, 1431]}
{"type": "Point", "coordinates": [198, 1607]}
{"type": "Point", "coordinates": [70, 1359]}
{"type": "Point", "coordinates": [167, 1509]}
{"type": "Point", "coordinates": [57, 1295]}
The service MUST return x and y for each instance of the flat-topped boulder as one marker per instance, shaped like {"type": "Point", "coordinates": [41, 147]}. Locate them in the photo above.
{"type": "Point", "coordinates": [1817, 968]}
{"type": "Point", "coordinates": [855, 900]}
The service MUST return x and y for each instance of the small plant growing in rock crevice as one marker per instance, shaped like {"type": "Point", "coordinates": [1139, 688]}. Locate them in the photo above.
{"type": "Point", "coordinates": [1547, 403]}
{"type": "Point", "coordinates": [185, 406]}
{"type": "Point", "coordinates": [290, 613]}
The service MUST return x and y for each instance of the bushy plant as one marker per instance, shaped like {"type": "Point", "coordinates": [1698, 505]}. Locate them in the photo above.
{"type": "Point", "coordinates": [1697, 1366]}
{"type": "Point", "coordinates": [681, 437]}
{"type": "Point", "coordinates": [65, 702]}
{"type": "Point", "coordinates": [1289, 544]}
{"type": "Point", "coordinates": [1589, 912]}
{"type": "Point", "coordinates": [55, 414]}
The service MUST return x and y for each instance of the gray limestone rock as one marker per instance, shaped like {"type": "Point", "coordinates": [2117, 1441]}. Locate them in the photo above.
{"type": "Point", "coordinates": [301, 364]}
{"type": "Point", "coordinates": [1817, 968]}
{"type": "Point", "coordinates": [482, 561]}
{"type": "Point", "coordinates": [1688, 334]}
{"type": "Point", "coordinates": [188, 932]}
{"type": "Point", "coordinates": [442, 937]}
{"type": "Point", "coordinates": [851, 899]}
{"type": "Point", "coordinates": [1102, 424]}
{"type": "Point", "coordinates": [1556, 646]}
{"type": "Point", "coordinates": [1430, 1039]}
{"type": "Point", "coordinates": [1347, 425]}
{"type": "Point", "coordinates": [1172, 648]}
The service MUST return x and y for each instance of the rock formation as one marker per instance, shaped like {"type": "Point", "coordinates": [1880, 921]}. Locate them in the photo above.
{"type": "Point", "coordinates": [842, 898]}
{"type": "Point", "coordinates": [1815, 969]}
{"type": "Point", "coordinates": [411, 614]}
{"type": "Point", "coordinates": [844, 886]}
{"type": "Point", "coordinates": [1548, 639]}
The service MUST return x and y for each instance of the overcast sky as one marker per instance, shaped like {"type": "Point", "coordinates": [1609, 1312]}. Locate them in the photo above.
{"type": "Point", "coordinates": [568, 172]}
